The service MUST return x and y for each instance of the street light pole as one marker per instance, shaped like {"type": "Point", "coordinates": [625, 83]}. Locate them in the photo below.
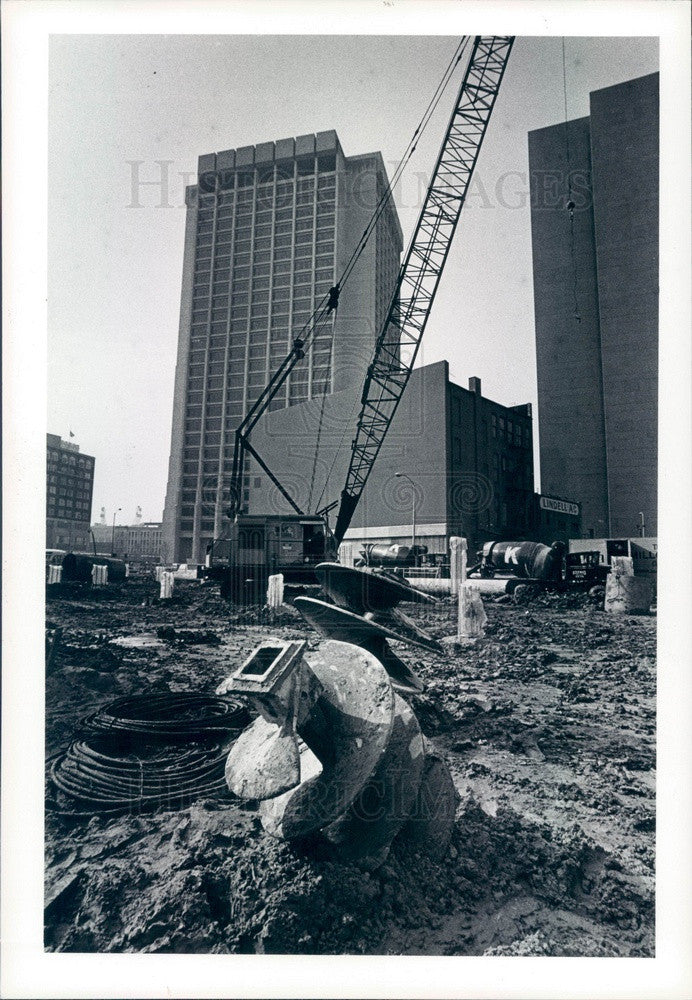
{"type": "Point", "coordinates": [402, 475]}
{"type": "Point", "coordinates": [115, 512]}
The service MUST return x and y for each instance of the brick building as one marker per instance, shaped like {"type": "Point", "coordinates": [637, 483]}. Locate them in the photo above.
{"type": "Point", "coordinates": [467, 460]}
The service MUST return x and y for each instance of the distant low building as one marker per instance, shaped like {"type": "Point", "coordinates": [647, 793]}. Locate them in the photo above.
{"type": "Point", "coordinates": [140, 542]}
{"type": "Point", "coordinates": [69, 490]}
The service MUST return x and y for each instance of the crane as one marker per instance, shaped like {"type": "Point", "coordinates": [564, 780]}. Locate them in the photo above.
{"type": "Point", "coordinates": [422, 268]}
{"type": "Point", "coordinates": [398, 342]}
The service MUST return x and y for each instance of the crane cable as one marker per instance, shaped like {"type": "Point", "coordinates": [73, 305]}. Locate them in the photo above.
{"type": "Point", "coordinates": [321, 420]}
{"type": "Point", "coordinates": [369, 229]}
{"type": "Point", "coordinates": [382, 385]}
{"type": "Point", "coordinates": [321, 310]}
{"type": "Point", "coordinates": [456, 59]}
{"type": "Point", "coordinates": [408, 153]}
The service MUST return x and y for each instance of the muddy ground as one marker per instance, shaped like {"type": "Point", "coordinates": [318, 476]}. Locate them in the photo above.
{"type": "Point", "coordinates": [548, 726]}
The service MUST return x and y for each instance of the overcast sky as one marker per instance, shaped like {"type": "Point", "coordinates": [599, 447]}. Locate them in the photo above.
{"type": "Point", "coordinates": [120, 103]}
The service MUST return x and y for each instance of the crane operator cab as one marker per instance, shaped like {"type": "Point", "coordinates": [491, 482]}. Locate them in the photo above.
{"type": "Point", "coordinates": [259, 546]}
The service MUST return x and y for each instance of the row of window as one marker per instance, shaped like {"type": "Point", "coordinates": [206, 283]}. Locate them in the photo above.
{"type": "Point", "coordinates": [304, 169]}
{"type": "Point", "coordinates": [300, 174]}
{"type": "Point", "coordinates": [265, 225]}
{"type": "Point", "coordinates": [278, 326]}
{"type": "Point", "coordinates": [80, 486]}
{"type": "Point", "coordinates": [282, 255]}
{"type": "Point", "coordinates": [244, 218]}
{"type": "Point", "coordinates": [283, 245]}
{"type": "Point", "coordinates": [510, 431]}
{"type": "Point", "coordinates": [63, 458]}
{"type": "Point", "coordinates": [68, 505]}
{"type": "Point", "coordinates": [302, 285]}
{"type": "Point", "coordinates": [262, 222]}
{"type": "Point", "coordinates": [262, 268]}
{"type": "Point", "coordinates": [241, 288]}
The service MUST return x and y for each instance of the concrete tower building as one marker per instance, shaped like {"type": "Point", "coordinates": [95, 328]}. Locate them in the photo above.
{"type": "Point", "coordinates": [269, 230]}
{"type": "Point", "coordinates": [595, 274]}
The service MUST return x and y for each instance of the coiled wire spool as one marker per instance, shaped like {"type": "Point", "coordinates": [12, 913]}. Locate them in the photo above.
{"type": "Point", "coordinates": [168, 716]}
{"type": "Point", "coordinates": [168, 778]}
{"type": "Point", "coordinates": [129, 757]}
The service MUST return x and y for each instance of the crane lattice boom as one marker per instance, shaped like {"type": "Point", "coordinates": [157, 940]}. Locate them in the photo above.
{"type": "Point", "coordinates": [419, 276]}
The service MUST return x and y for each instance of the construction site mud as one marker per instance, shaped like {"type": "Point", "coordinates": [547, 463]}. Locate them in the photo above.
{"type": "Point", "coordinates": [547, 725]}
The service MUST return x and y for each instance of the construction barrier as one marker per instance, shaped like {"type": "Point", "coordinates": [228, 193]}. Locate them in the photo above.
{"type": "Point", "coordinates": [185, 572]}
{"type": "Point", "coordinates": [622, 565]}
{"type": "Point", "coordinates": [275, 591]}
{"type": "Point", "coordinates": [457, 563]}
{"type": "Point", "coordinates": [626, 593]}
{"type": "Point", "coordinates": [99, 575]}
{"type": "Point", "coordinates": [167, 584]}
{"type": "Point", "coordinates": [472, 617]}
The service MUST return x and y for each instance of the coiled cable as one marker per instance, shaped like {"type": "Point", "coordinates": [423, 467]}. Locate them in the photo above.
{"type": "Point", "coordinates": [129, 758]}
{"type": "Point", "coordinates": [168, 716]}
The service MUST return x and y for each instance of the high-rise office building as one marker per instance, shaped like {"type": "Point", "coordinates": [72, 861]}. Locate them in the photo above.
{"type": "Point", "coordinates": [269, 229]}
{"type": "Point", "coordinates": [595, 270]}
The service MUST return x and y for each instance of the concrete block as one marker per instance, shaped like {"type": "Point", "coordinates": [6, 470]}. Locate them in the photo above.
{"type": "Point", "coordinates": [627, 594]}
{"type": "Point", "coordinates": [245, 156]}
{"type": "Point", "coordinates": [284, 149]}
{"type": "Point", "coordinates": [275, 591]}
{"type": "Point", "coordinates": [305, 145]}
{"type": "Point", "coordinates": [225, 160]}
{"type": "Point", "coordinates": [326, 142]}
{"type": "Point", "coordinates": [206, 164]}
{"type": "Point", "coordinates": [472, 617]}
{"type": "Point", "coordinates": [264, 153]}
{"type": "Point", "coordinates": [457, 562]}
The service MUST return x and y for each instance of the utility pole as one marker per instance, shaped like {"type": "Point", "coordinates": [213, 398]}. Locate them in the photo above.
{"type": "Point", "coordinates": [115, 512]}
